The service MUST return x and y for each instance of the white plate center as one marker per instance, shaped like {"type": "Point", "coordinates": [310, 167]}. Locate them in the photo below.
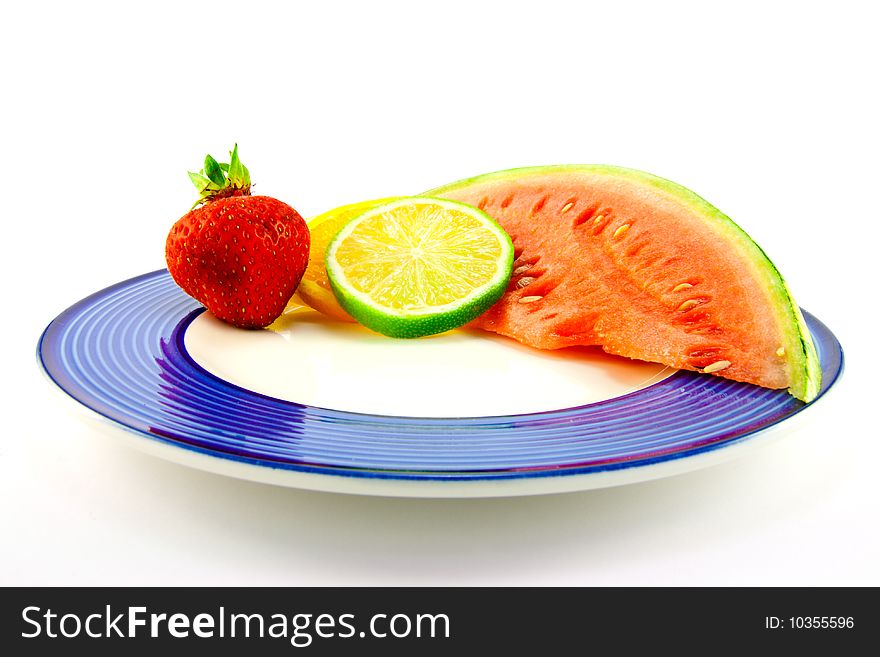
{"type": "Point", "coordinates": [312, 360]}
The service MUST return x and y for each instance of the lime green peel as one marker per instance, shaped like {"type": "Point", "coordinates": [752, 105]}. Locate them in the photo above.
{"type": "Point", "coordinates": [419, 266]}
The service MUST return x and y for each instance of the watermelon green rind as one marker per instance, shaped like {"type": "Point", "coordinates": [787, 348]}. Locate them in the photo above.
{"type": "Point", "coordinates": [805, 366]}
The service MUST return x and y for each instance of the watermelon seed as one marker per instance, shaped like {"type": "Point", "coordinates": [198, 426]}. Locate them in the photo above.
{"type": "Point", "coordinates": [565, 208]}
{"type": "Point", "coordinates": [687, 305]}
{"type": "Point", "coordinates": [717, 366]}
{"type": "Point", "coordinates": [635, 249]}
{"type": "Point", "coordinates": [709, 329]}
{"type": "Point", "coordinates": [704, 352]}
{"type": "Point", "coordinates": [780, 352]}
{"type": "Point", "coordinates": [524, 281]}
{"type": "Point", "coordinates": [585, 215]}
{"type": "Point", "coordinates": [598, 219]}
{"type": "Point", "coordinates": [507, 201]}
{"type": "Point", "coordinates": [621, 230]}
{"type": "Point", "coordinates": [681, 286]}
{"type": "Point", "coordinates": [531, 261]}
{"type": "Point", "coordinates": [540, 204]}
{"type": "Point", "coordinates": [522, 269]}
{"type": "Point", "coordinates": [529, 299]}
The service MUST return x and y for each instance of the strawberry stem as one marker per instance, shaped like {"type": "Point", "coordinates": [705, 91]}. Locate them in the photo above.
{"type": "Point", "coordinates": [220, 180]}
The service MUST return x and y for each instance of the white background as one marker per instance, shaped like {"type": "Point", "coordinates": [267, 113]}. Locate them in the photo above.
{"type": "Point", "coordinates": [769, 110]}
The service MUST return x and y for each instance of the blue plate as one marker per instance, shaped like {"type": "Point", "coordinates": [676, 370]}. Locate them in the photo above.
{"type": "Point", "coordinates": [120, 353]}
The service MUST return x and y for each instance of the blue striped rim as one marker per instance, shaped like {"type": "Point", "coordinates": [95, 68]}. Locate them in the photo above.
{"type": "Point", "coordinates": [120, 352]}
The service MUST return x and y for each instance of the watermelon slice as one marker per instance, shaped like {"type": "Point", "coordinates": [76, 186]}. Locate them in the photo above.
{"type": "Point", "coordinates": [643, 268]}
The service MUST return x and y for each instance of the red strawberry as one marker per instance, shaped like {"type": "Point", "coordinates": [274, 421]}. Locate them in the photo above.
{"type": "Point", "coordinates": [241, 256]}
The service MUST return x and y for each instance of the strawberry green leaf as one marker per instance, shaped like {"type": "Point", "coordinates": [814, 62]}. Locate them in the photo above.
{"type": "Point", "coordinates": [202, 183]}
{"type": "Point", "coordinates": [213, 171]}
{"type": "Point", "coordinates": [238, 174]}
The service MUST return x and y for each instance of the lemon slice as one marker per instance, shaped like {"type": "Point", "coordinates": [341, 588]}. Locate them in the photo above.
{"type": "Point", "coordinates": [314, 289]}
{"type": "Point", "coordinates": [419, 266]}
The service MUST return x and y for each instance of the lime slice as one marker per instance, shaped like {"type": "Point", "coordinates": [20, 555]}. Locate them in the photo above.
{"type": "Point", "coordinates": [314, 289]}
{"type": "Point", "coordinates": [419, 266]}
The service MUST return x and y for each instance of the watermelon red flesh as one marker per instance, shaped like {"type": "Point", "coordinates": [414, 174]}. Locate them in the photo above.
{"type": "Point", "coordinates": [643, 268]}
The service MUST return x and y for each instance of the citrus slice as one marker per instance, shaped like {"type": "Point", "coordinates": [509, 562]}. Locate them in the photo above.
{"type": "Point", "coordinates": [314, 289]}
{"type": "Point", "coordinates": [419, 266]}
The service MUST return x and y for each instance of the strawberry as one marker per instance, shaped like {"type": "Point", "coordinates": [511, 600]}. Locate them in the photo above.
{"type": "Point", "coordinates": [240, 256]}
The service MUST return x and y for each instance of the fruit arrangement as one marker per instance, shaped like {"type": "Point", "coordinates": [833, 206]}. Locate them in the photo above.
{"type": "Point", "coordinates": [552, 257]}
